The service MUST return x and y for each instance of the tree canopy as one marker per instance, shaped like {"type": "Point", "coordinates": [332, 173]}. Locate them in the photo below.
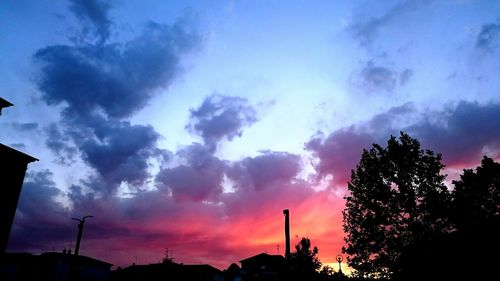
{"type": "Point", "coordinates": [476, 196]}
{"type": "Point", "coordinates": [304, 261]}
{"type": "Point", "coordinates": [396, 198]}
{"type": "Point", "coordinates": [468, 250]}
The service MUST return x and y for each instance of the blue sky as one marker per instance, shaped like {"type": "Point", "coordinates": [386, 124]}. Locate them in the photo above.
{"type": "Point", "coordinates": [215, 105]}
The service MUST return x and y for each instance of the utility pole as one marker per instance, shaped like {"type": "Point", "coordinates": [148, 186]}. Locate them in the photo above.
{"type": "Point", "coordinates": [80, 230]}
{"type": "Point", "coordinates": [286, 212]}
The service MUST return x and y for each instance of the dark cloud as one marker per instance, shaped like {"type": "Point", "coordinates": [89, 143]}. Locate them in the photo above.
{"type": "Point", "coordinates": [100, 85]}
{"type": "Point", "coordinates": [265, 170]}
{"type": "Point", "coordinates": [376, 78]}
{"type": "Point", "coordinates": [118, 79]}
{"type": "Point", "coordinates": [339, 153]}
{"type": "Point", "coordinates": [390, 121]}
{"type": "Point", "coordinates": [200, 178]}
{"type": "Point", "coordinates": [149, 221]}
{"type": "Point", "coordinates": [221, 117]}
{"type": "Point", "coordinates": [60, 144]}
{"type": "Point", "coordinates": [132, 217]}
{"type": "Point", "coordinates": [152, 220]}
{"type": "Point", "coordinates": [201, 175]}
{"type": "Point", "coordinates": [119, 151]}
{"type": "Point", "coordinates": [247, 203]}
{"type": "Point", "coordinates": [25, 126]}
{"type": "Point", "coordinates": [108, 214]}
{"type": "Point", "coordinates": [366, 31]}
{"type": "Point", "coordinates": [405, 75]}
{"type": "Point", "coordinates": [94, 13]}
{"type": "Point", "coordinates": [41, 221]}
{"type": "Point", "coordinates": [461, 133]}
{"type": "Point", "coordinates": [489, 37]}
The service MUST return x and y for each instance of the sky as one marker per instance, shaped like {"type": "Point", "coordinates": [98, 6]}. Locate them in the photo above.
{"type": "Point", "coordinates": [188, 126]}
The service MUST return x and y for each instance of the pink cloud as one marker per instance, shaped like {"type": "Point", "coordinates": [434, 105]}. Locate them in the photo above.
{"type": "Point", "coordinates": [219, 234]}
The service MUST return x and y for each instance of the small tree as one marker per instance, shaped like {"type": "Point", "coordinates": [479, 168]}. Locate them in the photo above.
{"type": "Point", "coordinates": [326, 273]}
{"type": "Point", "coordinates": [304, 261]}
{"type": "Point", "coordinates": [397, 197]}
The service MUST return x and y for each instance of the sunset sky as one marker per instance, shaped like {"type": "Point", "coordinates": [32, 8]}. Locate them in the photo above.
{"type": "Point", "coordinates": [191, 125]}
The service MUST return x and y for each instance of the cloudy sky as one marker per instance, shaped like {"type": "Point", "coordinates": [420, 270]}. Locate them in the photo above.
{"type": "Point", "coordinates": [191, 125]}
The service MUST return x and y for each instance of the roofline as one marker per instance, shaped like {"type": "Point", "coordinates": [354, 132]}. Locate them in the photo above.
{"type": "Point", "coordinates": [262, 254]}
{"type": "Point", "coordinates": [203, 264]}
{"type": "Point", "coordinates": [27, 158]}
{"type": "Point", "coordinates": [5, 103]}
{"type": "Point", "coordinates": [75, 257]}
{"type": "Point", "coordinates": [174, 264]}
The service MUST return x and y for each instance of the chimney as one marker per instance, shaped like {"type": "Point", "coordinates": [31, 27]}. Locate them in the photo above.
{"type": "Point", "coordinates": [287, 233]}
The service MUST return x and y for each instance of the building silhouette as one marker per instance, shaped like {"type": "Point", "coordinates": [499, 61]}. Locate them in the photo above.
{"type": "Point", "coordinates": [4, 103]}
{"type": "Point", "coordinates": [52, 266]}
{"type": "Point", "coordinates": [267, 267]}
{"type": "Point", "coordinates": [13, 165]}
{"type": "Point", "coordinates": [168, 271]}
{"type": "Point", "coordinates": [263, 267]}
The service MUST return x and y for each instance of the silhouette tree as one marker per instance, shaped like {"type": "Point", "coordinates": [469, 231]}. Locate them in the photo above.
{"type": "Point", "coordinates": [326, 273]}
{"type": "Point", "coordinates": [468, 251]}
{"type": "Point", "coordinates": [232, 272]}
{"type": "Point", "coordinates": [304, 262]}
{"type": "Point", "coordinates": [397, 198]}
{"type": "Point", "coordinates": [476, 197]}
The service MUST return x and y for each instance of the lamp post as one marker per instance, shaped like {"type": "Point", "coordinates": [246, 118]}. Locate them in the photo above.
{"type": "Point", "coordinates": [339, 260]}
{"type": "Point", "coordinates": [80, 230]}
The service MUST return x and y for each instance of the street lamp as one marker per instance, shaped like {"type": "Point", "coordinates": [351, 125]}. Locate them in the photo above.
{"type": "Point", "coordinates": [339, 260]}
{"type": "Point", "coordinates": [80, 230]}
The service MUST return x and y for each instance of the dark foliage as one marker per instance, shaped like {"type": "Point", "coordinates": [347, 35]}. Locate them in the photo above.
{"type": "Point", "coordinates": [469, 250]}
{"type": "Point", "coordinates": [476, 196]}
{"type": "Point", "coordinates": [397, 199]}
{"type": "Point", "coordinates": [403, 224]}
{"type": "Point", "coordinates": [304, 262]}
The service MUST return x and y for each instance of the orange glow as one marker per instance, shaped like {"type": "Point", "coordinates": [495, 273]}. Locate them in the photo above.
{"type": "Point", "coordinates": [202, 234]}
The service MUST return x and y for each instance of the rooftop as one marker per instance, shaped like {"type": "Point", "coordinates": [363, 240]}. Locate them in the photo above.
{"type": "Point", "coordinates": [9, 153]}
{"type": "Point", "coordinates": [4, 103]}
